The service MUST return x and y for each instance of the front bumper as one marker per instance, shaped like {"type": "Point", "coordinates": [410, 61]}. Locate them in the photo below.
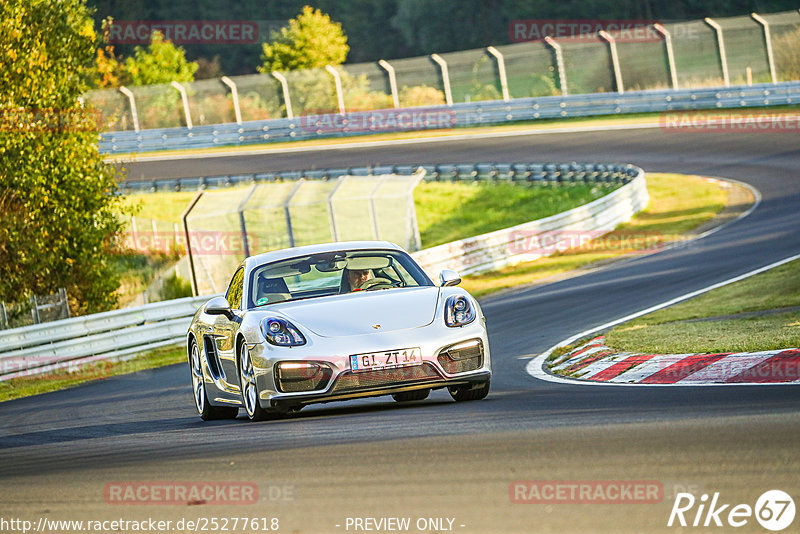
{"type": "Point", "coordinates": [345, 384]}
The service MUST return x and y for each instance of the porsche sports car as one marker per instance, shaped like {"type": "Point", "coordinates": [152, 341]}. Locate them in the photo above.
{"type": "Point", "coordinates": [334, 322]}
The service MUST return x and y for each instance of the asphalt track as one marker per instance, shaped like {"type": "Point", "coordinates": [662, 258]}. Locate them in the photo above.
{"type": "Point", "coordinates": [374, 458]}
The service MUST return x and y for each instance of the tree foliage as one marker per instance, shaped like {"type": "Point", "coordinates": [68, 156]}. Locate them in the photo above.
{"type": "Point", "coordinates": [58, 209]}
{"type": "Point", "coordinates": [311, 40]}
{"type": "Point", "coordinates": [160, 62]}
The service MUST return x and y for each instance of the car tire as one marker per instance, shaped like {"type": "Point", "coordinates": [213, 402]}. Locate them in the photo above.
{"type": "Point", "coordinates": [204, 408]}
{"type": "Point", "coordinates": [249, 388]}
{"type": "Point", "coordinates": [468, 393]}
{"type": "Point", "coordinates": [409, 396]}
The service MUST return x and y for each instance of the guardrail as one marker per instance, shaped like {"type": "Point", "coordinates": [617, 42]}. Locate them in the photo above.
{"type": "Point", "coordinates": [68, 345]}
{"type": "Point", "coordinates": [534, 173]}
{"type": "Point", "coordinates": [452, 116]}
{"type": "Point", "coordinates": [543, 237]}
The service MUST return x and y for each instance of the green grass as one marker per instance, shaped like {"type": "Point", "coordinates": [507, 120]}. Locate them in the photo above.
{"type": "Point", "coordinates": [678, 204]}
{"type": "Point", "coordinates": [672, 330]}
{"type": "Point", "coordinates": [452, 211]}
{"type": "Point", "coordinates": [445, 211]}
{"type": "Point", "coordinates": [35, 385]}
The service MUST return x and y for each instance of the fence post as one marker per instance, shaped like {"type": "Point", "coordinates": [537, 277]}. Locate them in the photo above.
{"type": "Point", "coordinates": [185, 99]}
{"type": "Point", "coordinates": [62, 294]}
{"type": "Point", "coordinates": [501, 69]}
{"type": "Point", "coordinates": [287, 100]}
{"type": "Point", "coordinates": [392, 81]}
{"type": "Point", "coordinates": [332, 215]}
{"type": "Point", "coordinates": [337, 79]}
{"type": "Point", "coordinates": [185, 221]}
{"type": "Point", "coordinates": [373, 213]}
{"type": "Point", "coordinates": [35, 310]}
{"type": "Point", "coordinates": [127, 92]}
{"type": "Point", "coordinates": [612, 45]}
{"type": "Point", "coordinates": [768, 44]}
{"type": "Point", "coordinates": [723, 59]}
{"type": "Point", "coordinates": [287, 212]}
{"type": "Point", "coordinates": [673, 73]}
{"type": "Point", "coordinates": [448, 95]}
{"type": "Point", "coordinates": [3, 315]}
{"type": "Point", "coordinates": [242, 224]}
{"type": "Point", "coordinates": [562, 73]}
{"type": "Point", "coordinates": [235, 96]}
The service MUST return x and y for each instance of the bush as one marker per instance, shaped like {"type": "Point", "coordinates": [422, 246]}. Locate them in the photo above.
{"type": "Point", "coordinates": [175, 287]}
{"type": "Point", "coordinates": [421, 95]}
{"type": "Point", "coordinates": [787, 56]}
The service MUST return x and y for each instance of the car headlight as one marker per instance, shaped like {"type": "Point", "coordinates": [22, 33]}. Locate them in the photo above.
{"type": "Point", "coordinates": [281, 332]}
{"type": "Point", "coordinates": [458, 311]}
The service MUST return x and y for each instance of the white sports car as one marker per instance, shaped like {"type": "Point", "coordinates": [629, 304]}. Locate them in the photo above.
{"type": "Point", "coordinates": [333, 322]}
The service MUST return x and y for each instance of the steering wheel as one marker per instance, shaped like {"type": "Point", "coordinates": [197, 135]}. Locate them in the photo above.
{"type": "Point", "coordinates": [374, 283]}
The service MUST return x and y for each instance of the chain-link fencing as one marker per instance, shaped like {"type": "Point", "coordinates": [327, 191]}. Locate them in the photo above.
{"type": "Point", "coordinates": [702, 53]}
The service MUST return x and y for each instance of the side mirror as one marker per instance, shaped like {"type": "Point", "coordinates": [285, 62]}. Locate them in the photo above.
{"type": "Point", "coordinates": [449, 278]}
{"type": "Point", "coordinates": [219, 306]}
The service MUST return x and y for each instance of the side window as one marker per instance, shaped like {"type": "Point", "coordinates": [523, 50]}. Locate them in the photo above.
{"type": "Point", "coordinates": [234, 294]}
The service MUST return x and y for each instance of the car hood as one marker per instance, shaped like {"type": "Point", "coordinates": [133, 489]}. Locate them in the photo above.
{"type": "Point", "coordinates": [358, 313]}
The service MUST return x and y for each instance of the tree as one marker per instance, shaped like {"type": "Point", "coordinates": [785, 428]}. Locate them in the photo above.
{"type": "Point", "coordinates": [58, 209]}
{"type": "Point", "coordinates": [160, 62]}
{"type": "Point", "coordinates": [311, 40]}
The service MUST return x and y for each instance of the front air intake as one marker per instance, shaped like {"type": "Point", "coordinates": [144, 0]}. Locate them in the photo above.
{"type": "Point", "coordinates": [462, 357]}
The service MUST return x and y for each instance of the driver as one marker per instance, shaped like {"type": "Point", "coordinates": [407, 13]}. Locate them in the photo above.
{"type": "Point", "coordinates": [356, 278]}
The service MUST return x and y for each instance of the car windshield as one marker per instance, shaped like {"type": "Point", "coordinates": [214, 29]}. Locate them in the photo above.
{"type": "Point", "coordinates": [333, 273]}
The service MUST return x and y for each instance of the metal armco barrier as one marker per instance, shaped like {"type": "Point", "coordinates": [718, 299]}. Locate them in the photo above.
{"type": "Point", "coordinates": [453, 116]}
{"type": "Point", "coordinates": [535, 173]}
{"type": "Point", "coordinates": [532, 240]}
{"type": "Point", "coordinates": [64, 346]}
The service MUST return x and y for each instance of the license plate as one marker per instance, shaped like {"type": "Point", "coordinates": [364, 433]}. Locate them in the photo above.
{"type": "Point", "coordinates": [389, 359]}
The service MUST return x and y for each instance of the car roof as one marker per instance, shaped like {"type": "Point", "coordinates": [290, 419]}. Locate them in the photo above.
{"type": "Point", "coordinates": [341, 246]}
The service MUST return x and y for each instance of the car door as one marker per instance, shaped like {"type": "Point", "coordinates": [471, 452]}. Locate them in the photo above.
{"type": "Point", "coordinates": [224, 332]}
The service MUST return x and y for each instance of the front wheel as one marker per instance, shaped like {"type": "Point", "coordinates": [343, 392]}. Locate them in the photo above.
{"type": "Point", "coordinates": [469, 393]}
{"type": "Point", "coordinates": [204, 409]}
{"type": "Point", "coordinates": [247, 381]}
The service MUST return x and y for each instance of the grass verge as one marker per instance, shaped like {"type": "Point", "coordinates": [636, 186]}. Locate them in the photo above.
{"type": "Point", "coordinates": [34, 385]}
{"type": "Point", "coordinates": [678, 204]}
{"type": "Point", "coordinates": [446, 211]}
{"type": "Point", "coordinates": [758, 313]}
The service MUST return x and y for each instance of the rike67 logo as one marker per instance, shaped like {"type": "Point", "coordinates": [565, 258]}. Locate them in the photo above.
{"type": "Point", "coordinates": [774, 510]}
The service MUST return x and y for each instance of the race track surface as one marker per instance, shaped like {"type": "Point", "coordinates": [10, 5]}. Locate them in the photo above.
{"type": "Point", "coordinates": [374, 458]}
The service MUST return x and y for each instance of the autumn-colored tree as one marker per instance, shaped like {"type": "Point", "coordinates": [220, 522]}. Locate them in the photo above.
{"type": "Point", "coordinates": [160, 62]}
{"type": "Point", "coordinates": [311, 40]}
{"type": "Point", "coordinates": [58, 204]}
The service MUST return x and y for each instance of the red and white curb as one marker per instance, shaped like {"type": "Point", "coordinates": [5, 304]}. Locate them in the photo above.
{"type": "Point", "coordinates": [596, 362]}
